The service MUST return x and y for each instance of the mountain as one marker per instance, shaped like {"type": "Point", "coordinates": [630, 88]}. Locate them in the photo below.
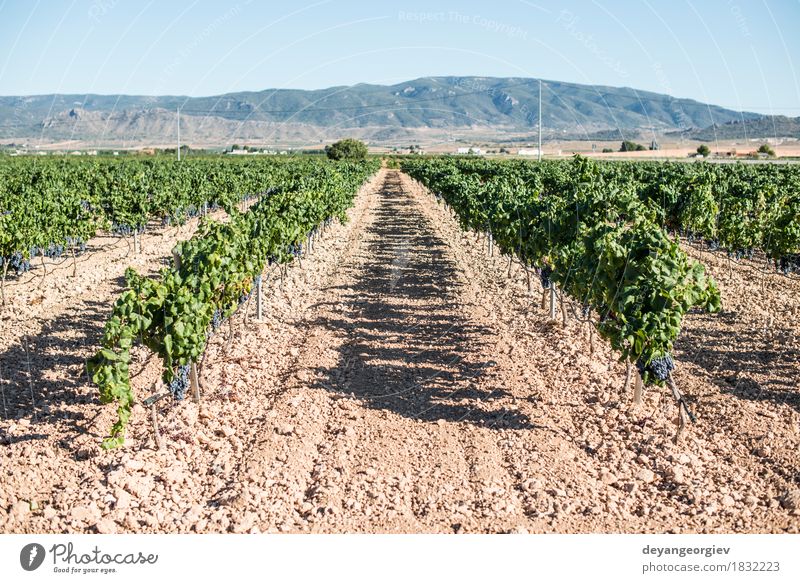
{"type": "Point", "coordinates": [768, 126]}
{"type": "Point", "coordinates": [431, 106]}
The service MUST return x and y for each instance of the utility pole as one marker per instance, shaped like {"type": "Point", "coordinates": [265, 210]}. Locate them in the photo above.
{"type": "Point", "coordinates": [540, 120]}
{"type": "Point", "coordinates": [179, 132]}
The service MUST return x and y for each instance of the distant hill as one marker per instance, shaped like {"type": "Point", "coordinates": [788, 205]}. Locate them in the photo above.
{"type": "Point", "coordinates": [378, 112]}
{"type": "Point", "coordinates": [768, 126]}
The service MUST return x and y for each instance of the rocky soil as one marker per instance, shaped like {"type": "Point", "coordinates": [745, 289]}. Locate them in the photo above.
{"type": "Point", "coordinates": [402, 380]}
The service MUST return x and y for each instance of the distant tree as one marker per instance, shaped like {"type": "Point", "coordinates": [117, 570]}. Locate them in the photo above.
{"type": "Point", "coordinates": [235, 147]}
{"type": "Point", "coordinates": [703, 150]}
{"type": "Point", "coordinates": [347, 149]}
{"type": "Point", "coordinates": [765, 149]}
{"type": "Point", "coordinates": [607, 150]}
{"type": "Point", "coordinates": [628, 146]}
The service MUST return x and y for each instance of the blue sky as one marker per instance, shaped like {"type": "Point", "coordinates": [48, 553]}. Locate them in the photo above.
{"type": "Point", "coordinates": [743, 54]}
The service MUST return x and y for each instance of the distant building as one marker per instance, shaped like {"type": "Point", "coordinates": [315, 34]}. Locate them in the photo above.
{"type": "Point", "coordinates": [528, 152]}
{"type": "Point", "coordinates": [475, 151]}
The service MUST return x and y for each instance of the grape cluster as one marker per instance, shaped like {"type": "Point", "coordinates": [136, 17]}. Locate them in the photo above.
{"type": "Point", "coordinates": [216, 319]}
{"type": "Point", "coordinates": [16, 262]}
{"type": "Point", "coordinates": [741, 254]}
{"type": "Point", "coordinates": [657, 367]}
{"type": "Point", "coordinates": [180, 382]}
{"type": "Point", "coordinates": [790, 264]}
{"type": "Point", "coordinates": [126, 230]}
{"type": "Point", "coordinates": [713, 245]}
{"type": "Point", "coordinates": [296, 249]}
{"type": "Point", "coordinates": [586, 310]}
{"type": "Point", "coordinates": [544, 276]}
{"type": "Point", "coordinates": [52, 251]}
{"type": "Point", "coordinates": [76, 243]}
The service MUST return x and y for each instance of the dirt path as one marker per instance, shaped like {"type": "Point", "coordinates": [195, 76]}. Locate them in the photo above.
{"type": "Point", "coordinates": [402, 382]}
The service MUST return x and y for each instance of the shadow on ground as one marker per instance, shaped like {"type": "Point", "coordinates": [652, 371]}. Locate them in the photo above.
{"type": "Point", "coordinates": [43, 377]}
{"type": "Point", "coordinates": [734, 359]}
{"type": "Point", "coordinates": [408, 349]}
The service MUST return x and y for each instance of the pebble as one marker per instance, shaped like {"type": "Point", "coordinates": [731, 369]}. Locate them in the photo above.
{"type": "Point", "coordinates": [677, 475]}
{"type": "Point", "coordinates": [106, 526]}
{"type": "Point", "coordinates": [84, 514]}
{"type": "Point", "coordinates": [751, 501]}
{"type": "Point", "coordinates": [645, 475]}
{"type": "Point", "coordinates": [791, 500]}
{"type": "Point", "coordinates": [607, 477]}
{"type": "Point", "coordinates": [134, 465]}
{"type": "Point", "coordinates": [20, 510]}
{"type": "Point", "coordinates": [123, 499]}
{"type": "Point", "coordinates": [285, 429]}
{"type": "Point", "coordinates": [727, 501]}
{"type": "Point", "coordinates": [244, 523]}
{"type": "Point", "coordinates": [140, 486]}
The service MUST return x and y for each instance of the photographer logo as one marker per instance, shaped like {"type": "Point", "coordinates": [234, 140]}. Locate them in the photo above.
{"type": "Point", "coordinates": [31, 556]}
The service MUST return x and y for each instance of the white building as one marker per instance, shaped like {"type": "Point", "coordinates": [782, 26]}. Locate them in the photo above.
{"type": "Point", "coordinates": [475, 151]}
{"type": "Point", "coordinates": [528, 152]}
